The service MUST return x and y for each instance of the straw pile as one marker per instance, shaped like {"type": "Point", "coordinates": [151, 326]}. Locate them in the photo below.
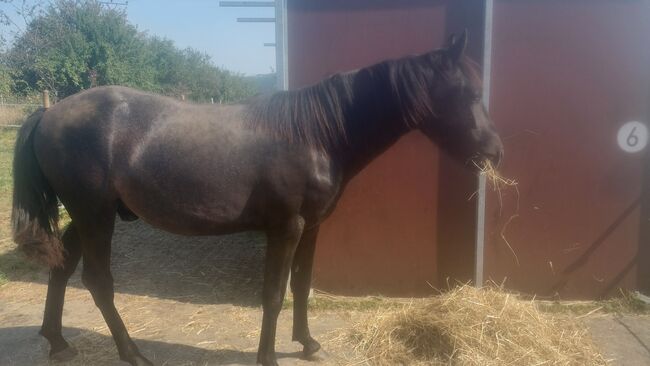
{"type": "Point", "coordinates": [470, 326]}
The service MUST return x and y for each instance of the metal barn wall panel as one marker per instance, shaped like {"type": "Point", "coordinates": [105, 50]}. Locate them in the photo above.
{"type": "Point", "coordinates": [405, 221]}
{"type": "Point", "coordinates": [565, 76]}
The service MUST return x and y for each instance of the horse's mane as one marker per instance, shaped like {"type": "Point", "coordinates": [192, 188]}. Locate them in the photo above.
{"type": "Point", "coordinates": [318, 115]}
{"type": "Point", "coordinates": [313, 115]}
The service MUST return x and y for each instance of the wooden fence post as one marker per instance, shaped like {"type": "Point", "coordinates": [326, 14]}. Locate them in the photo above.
{"type": "Point", "coordinates": [46, 99]}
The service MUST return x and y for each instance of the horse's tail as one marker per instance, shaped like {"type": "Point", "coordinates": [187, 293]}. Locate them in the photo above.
{"type": "Point", "coordinates": [35, 212]}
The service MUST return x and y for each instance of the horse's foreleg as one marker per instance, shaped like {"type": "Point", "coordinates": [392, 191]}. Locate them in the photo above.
{"type": "Point", "coordinates": [96, 276]}
{"type": "Point", "coordinates": [282, 243]}
{"type": "Point", "coordinates": [59, 276]}
{"type": "Point", "coordinates": [300, 285]}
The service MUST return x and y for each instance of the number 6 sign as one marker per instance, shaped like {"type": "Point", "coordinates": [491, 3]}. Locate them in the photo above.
{"type": "Point", "coordinates": [632, 137]}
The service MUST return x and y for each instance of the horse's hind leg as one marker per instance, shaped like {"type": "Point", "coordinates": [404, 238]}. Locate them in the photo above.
{"type": "Point", "coordinates": [96, 276]}
{"type": "Point", "coordinates": [51, 329]}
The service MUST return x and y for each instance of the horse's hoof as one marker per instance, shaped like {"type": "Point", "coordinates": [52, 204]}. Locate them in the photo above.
{"type": "Point", "coordinates": [310, 347]}
{"type": "Point", "coordinates": [65, 354]}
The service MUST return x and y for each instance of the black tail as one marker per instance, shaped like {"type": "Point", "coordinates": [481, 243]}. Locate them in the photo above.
{"type": "Point", "coordinates": [35, 212]}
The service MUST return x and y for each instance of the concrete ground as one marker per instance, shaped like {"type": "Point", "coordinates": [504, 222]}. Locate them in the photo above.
{"type": "Point", "coordinates": [625, 339]}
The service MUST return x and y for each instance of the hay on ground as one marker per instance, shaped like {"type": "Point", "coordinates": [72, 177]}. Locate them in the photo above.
{"type": "Point", "coordinates": [470, 326]}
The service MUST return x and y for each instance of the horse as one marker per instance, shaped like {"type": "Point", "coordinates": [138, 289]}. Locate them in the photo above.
{"type": "Point", "coordinates": [276, 163]}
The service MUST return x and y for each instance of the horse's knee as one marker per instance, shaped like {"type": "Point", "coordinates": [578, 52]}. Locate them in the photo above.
{"type": "Point", "coordinates": [273, 303]}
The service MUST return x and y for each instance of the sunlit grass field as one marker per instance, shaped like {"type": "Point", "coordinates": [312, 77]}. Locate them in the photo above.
{"type": "Point", "coordinates": [14, 115]}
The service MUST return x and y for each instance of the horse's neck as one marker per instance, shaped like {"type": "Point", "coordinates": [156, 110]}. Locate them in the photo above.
{"type": "Point", "coordinates": [364, 149]}
{"type": "Point", "coordinates": [373, 123]}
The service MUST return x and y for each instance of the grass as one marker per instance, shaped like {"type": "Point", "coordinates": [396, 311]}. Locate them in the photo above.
{"type": "Point", "coordinates": [14, 266]}
{"type": "Point", "coordinates": [626, 303]}
{"type": "Point", "coordinates": [12, 263]}
{"type": "Point", "coordinates": [7, 140]}
{"type": "Point", "coordinates": [14, 115]}
{"type": "Point", "coordinates": [326, 302]}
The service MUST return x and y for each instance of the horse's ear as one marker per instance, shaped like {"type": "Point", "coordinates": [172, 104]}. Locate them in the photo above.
{"type": "Point", "coordinates": [456, 47]}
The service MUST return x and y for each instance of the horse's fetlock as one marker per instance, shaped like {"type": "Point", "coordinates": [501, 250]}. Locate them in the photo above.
{"type": "Point", "coordinates": [48, 333]}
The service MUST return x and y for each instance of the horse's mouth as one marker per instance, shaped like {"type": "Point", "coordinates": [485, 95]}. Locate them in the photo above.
{"type": "Point", "coordinates": [479, 162]}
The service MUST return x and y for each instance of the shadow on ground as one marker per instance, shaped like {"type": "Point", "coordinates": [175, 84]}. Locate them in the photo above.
{"type": "Point", "coordinates": [150, 262]}
{"type": "Point", "coordinates": [22, 346]}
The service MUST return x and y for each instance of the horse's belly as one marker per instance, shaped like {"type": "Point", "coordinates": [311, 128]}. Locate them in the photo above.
{"type": "Point", "coordinates": [190, 209]}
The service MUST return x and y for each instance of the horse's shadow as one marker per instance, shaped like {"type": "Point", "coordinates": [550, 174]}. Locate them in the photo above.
{"type": "Point", "coordinates": [23, 346]}
{"type": "Point", "coordinates": [205, 270]}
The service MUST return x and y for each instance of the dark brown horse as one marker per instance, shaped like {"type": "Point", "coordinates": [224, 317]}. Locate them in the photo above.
{"type": "Point", "coordinates": [277, 164]}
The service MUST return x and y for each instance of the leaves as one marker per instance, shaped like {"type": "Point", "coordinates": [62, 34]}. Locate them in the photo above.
{"type": "Point", "coordinates": [76, 44]}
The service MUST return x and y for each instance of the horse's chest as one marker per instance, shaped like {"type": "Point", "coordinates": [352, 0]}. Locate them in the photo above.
{"type": "Point", "coordinates": [322, 188]}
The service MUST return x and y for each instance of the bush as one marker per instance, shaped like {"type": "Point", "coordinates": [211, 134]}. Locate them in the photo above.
{"type": "Point", "coordinates": [75, 45]}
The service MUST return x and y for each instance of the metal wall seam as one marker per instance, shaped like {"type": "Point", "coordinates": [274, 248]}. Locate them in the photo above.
{"type": "Point", "coordinates": [480, 207]}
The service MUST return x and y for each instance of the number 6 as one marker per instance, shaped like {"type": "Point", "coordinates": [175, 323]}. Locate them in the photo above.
{"type": "Point", "coordinates": [632, 139]}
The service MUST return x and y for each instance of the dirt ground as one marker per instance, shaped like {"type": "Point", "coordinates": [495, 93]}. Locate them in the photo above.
{"type": "Point", "coordinates": [196, 301]}
{"type": "Point", "coordinates": [185, 302]}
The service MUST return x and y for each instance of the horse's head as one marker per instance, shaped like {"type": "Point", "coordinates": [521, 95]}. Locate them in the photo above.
{"type": "Point", "coordinates": [460, 124]}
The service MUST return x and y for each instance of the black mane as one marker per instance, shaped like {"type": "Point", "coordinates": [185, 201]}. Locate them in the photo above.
{"type": "Point", "coordinates": [318, 115]}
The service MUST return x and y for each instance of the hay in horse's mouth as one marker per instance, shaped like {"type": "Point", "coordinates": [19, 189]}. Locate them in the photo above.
{"type": "Point", "coordinates": [496, 180]}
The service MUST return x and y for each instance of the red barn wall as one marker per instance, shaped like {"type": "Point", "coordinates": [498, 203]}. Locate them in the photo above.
{"type": "Point", "coordinates": [565, 76]}
{"type": "Point", "coordinates": [404, 222]}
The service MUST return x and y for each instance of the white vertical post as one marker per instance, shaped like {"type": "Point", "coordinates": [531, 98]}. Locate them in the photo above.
{"type": "Point", "coordinates": [480, 207]}
{"type": "Point", "coordinates": [281, 61]}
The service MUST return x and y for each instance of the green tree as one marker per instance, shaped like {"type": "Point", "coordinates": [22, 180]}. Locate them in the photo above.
{"type": "Point", "coordinates": [6, 81]}
{"type": "Point", "coordinates": [76, 44]}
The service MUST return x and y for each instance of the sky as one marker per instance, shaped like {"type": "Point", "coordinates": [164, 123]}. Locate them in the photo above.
{"type": "Point", "coordinates": [204, 26]}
